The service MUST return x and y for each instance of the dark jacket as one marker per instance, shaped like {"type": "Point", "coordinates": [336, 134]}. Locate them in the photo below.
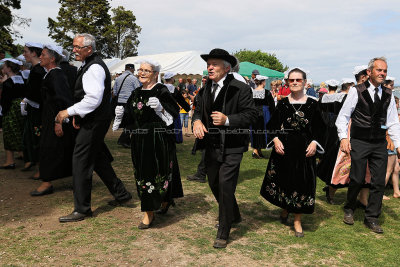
{"type": "Point", "coordinates": [71, 73]}
{"type": "Point", "coordinates": [235, 100]}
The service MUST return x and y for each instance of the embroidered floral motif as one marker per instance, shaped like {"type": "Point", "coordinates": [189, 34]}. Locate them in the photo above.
{"type": "Point", "coordinates": [160, 185]}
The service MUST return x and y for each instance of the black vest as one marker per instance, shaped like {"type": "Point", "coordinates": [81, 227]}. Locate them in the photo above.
{"type": "Point", "coordinates": [368, 117]}
{"type": "Point", "coordinates": [103, 111]}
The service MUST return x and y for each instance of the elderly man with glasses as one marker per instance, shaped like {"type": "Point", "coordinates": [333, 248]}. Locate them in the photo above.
{"type": "Point", "coordinates": [92, 117]}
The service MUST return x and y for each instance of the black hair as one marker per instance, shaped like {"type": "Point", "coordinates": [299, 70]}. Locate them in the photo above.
{"type": "Point", "coordinates": [37, 50]}
{"type": "Point", "coordinates": [298, 70]}
{"type": "Point", "coordinates": [386, 82]}
{"type": "Point", "coordinates": [361, 73]}
{"type": "Point", "coordinates": [13, 66]}
{"type": "Point", "coordinates": [332, 88]}
{"type": "Point", "coordinates": [346, 86]}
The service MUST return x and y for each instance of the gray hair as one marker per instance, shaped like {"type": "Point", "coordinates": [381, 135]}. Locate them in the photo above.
{"type": "Point", "coordinates": [227, 64]}
{"type": "Point", "coordinates": [154, 64]}
{"type": "Point", "coordinates": [372, 62]}
{"type": "Point", "coordinates": [88, 40]}
{"type": "Point", "coordinates": [237, 66]}
{"type": "Point", "coordinates": [52, 53]}
{"type": "Point", "coordinates": [66, 55]}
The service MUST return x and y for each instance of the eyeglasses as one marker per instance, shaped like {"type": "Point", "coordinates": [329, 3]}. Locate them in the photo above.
{"type": "Point", "coordinates": [295, 80]}
{"type": "Point", "coordinates": [145, 71]}
{"type": "Point", "coordinates": [77, 47]}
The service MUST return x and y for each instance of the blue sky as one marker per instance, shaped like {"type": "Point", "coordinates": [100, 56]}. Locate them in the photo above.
{"type": "Point", "coordinates": [328, 38]}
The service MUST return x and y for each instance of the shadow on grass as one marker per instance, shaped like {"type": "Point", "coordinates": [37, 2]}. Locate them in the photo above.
{"type": "Point", "coordinates": [186, 206]}
{"type": "Point", "coordinates": [250, 174]}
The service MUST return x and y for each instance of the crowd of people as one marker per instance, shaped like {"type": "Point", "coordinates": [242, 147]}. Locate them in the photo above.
{"type": "Point", "coordinates": [57, 116]}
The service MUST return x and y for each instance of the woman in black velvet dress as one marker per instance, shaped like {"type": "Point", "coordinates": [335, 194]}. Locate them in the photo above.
{"type": "Point", "coordinates": [148, 113]}
{"type": "Point", "coordinates": [290, 178]}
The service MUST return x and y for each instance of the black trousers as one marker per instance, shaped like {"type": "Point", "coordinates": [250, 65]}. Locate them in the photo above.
{"type": "Point", "coordinates": [201, 168]}
{"type": "Point", "coordinates": [91, 154]}
{"type": "Point", "coordinates": [222, 178]}
{"type": "Point", "coordinates": [375, 154]}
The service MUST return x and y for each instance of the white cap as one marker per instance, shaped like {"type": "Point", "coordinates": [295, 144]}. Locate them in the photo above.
{"type": "Point", "coordinates": [12, 60]}
{"type": "Point", "coordinates": [347, 80]}
{"type": "Point", "coordinates": [358, 69]}
{"type": "Point", "coordinates": [389, 78]}
{"type": "Point", "coordinates": [21, 58]}
{"type": "Point", "coordinates": [332, 83]}
{"type": "Point", "coordinates": [286, 73]}
{"type": "Point", "coordinates": [55, 48]}
{"type": "Point", "coordinates": [310, 81]}
{"type": "Point", "coordinates": [31, 44]}
{"type": "Point", "coordinates": [169, 75]}
{"type": "Point", "coordinates": [157, 66]}
{"type": "Point", "coordinates": [261, 78]}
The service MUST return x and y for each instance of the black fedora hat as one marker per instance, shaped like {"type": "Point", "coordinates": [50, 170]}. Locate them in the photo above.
{"type": "Point", "coordinates": [220, 54]}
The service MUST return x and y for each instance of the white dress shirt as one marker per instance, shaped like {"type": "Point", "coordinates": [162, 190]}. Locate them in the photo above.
{"type": "Point", "coordinates": [93, 85]}
{"type": "Point", "coordinates": [220, 84]}
{"type": "Point", "coordinates": [392, 119]}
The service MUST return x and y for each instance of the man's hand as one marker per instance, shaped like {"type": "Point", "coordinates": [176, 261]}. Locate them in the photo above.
{"type": "Point", "coordinates": [199, 129]}
{"type": "Point", "coordinates": [278, 146]}
{"type": "Point", "coordinates": [345, 145]}
{"type": "Point", "coordinates": [58, 129]}
{"type": "Point", "coordinates": [61, 116]}
{"type": "Point", "coordinates": [311, 149]}
{"type": "Point", "coordinates": [74, 124]}
{"type": "Point", "coordinates": [218, 118]}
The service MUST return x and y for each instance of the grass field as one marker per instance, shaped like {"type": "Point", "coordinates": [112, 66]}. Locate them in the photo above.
{"type": "Point", "coordinates": [30, 234]}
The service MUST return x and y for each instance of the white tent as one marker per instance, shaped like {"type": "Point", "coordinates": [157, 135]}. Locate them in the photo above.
{"type": "Point", "coordinates": [188, 62]}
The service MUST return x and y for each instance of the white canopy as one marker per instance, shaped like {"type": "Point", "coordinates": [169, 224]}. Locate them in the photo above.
{"type": "Point", "coordinates": [188, 62]}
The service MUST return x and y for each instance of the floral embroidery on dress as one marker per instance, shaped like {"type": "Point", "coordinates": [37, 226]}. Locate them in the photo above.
{"type": "Point", "coordinates": [138, 102]}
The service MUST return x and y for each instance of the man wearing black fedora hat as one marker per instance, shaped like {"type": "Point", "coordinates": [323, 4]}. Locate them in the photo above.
{"type": "Point", "coordinates": [222, 118]}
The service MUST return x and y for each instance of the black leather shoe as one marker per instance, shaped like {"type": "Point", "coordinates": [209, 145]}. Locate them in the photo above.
{"type": "Point", "coordinates": [74, 217]}
{"type": "Point", "coordinates": [8, 167]}
{"type": "Point", "coordinates": [119, 202]}
{"type": "Point", "coordinates": [348, 217]}
{"type": "Point", "coordinates": [298, 234]}
{"type": "Point", "coordinates": [143, 226]}
{"type": "Point", "coordinates": [27, 168]}
{"type": "Point", "coordinates": [374, 226]}
{"type": "Point", "coordinates": [165, 210]}
{"type": "Point", "coordinates": [196, 178]}
{"type": "Point", "coordinates": [220, 243]}
{"type": "Point", "coordinates": [47, 191]}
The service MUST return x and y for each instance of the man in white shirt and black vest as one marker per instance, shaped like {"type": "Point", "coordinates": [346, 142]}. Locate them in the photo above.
{"type": "Point", "coordinates": [92, 116]}
{"type": "Point", "coordinates": [373, 111]}
{"type": "Point", "coordinates": [224, 111]}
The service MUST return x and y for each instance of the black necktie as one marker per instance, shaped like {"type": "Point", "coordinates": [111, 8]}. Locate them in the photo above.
{"type": "Point", "coordinates": [376, 96]}
{"type": "Point", "coordinates": [213, 90]}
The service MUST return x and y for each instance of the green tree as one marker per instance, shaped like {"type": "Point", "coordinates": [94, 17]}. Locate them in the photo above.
{"type": "Point", "coordinates": [261, 58]}
{"type": "Point", "coordinates": [7, 21]}
{"type": "Point", "coordinates": [123, 33]}
{"type": "Point", "coordinates": [90, 16]}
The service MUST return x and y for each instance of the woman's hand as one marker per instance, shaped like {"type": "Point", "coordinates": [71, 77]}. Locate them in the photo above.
{"type": "Point", "coordinates": [311, 149]}
{"type": "Point", "coordinates": [58, 129]}
{"type": "Point", "coordinates": [278, 146]}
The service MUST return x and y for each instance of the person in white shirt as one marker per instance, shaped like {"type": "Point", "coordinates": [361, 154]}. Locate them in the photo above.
{"type": "Point", "coordinates": [92, 117]}
{"type": "Point", "coordinates": [372, 108]}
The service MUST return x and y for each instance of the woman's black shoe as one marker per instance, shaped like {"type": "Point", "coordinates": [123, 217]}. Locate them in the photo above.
{"type": "Point", "coordinates": [255, 156]}
{"type": "Point", "coordinates": [27, 168]}
{"type": "Point", "coordinates": [143, 226]}
{"type": "Point", "coordinates": [165, 210]}
{"type": "Point", "coordinates": [8, 167]}
{"type": "Point", "coordinates": [328, 196]}
{"type": "Point", "coordinates": [47, 191]}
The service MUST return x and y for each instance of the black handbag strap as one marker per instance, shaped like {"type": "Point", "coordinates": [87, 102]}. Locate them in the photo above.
{"type": "Point", "coordinates": [121, 86]}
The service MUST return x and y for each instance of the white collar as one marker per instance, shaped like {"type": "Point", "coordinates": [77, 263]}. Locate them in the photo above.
{"type": "Point", "coordinates": [220, 82]}
{"type": "Point", "coordinates": [372, 87]}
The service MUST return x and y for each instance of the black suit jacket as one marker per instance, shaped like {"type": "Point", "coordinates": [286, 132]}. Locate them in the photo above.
{"type": "Point", "coordinates": [235, 100]}
{"type": "Point", "coordinates": [71, 73]}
